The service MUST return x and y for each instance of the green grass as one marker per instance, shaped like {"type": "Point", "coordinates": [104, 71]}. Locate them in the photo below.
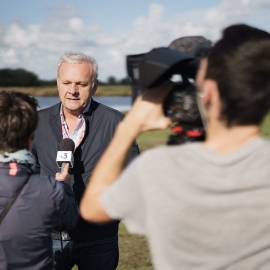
{"type": "Point", "coordinates": [152, 138]}
{"type": "Point", "coordinates": [114, 90]}
{"type": "Point", "coordinates": [265, 128]}
{"type": "Point", "coordinates": [103, 90]}
{"type": "Point", "coordinates": [134, 252]}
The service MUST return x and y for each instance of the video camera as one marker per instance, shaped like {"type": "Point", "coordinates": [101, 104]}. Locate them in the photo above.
{"type": "Point", "coordinates": [159, 65]}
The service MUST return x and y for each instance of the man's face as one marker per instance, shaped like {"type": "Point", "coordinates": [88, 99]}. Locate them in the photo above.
{"type": "Point", "coordinates": [74, 86]}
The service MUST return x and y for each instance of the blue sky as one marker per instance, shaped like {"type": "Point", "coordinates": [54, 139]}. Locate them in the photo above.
{"type": "Point", "coordinates": [109, 14]}
{"type": "Point", "coordinates": [35, 33]}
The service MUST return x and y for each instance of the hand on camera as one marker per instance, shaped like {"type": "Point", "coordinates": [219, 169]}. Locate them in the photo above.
{"type": "Point", "coordinates": [147, 111]}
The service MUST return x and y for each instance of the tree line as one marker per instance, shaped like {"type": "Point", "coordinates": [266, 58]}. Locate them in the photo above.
{"type": "Point", "coordinates": [23, 77]}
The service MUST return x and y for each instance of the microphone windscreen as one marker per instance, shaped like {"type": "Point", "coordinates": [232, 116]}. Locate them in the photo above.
{"type": "Point", "coordinates": [67, 145]}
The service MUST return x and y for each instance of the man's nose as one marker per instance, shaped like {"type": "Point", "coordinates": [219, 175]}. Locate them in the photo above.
{"type": "Point", "coordinates": [73, 89]}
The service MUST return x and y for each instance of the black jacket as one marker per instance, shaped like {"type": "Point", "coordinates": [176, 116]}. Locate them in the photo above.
{"type": "Point", "coordinates": [101, 122]}
{"type": "Point", "coordinates": [25, 232]}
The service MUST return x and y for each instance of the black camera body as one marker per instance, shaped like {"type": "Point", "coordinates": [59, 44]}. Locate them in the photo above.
{"type": "Point", "coordinates": [151, 69]}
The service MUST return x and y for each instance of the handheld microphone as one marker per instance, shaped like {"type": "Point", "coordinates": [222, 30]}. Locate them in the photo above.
{"type": "Point", "coordinates": [65, 153]}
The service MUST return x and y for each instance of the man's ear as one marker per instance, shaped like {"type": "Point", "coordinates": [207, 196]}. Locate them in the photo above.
{"type": "Point", "coordinates": [94, 86]}
{"type": "Point", "coordinates": [57, 81]}
{"type": "Point", "coordinates": [211, 97]}
{"type": "Point", "coordinates": [205, 93]}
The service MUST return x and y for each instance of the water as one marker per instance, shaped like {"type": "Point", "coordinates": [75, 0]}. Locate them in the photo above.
{"type": "Point", "coordinates": [120, 103]}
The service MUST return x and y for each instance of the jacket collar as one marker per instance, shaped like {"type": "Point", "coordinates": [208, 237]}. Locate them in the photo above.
{"type": "Point", "coordinates": [88, 111]}
{"type": "Point", "coordinates": [55, 120]}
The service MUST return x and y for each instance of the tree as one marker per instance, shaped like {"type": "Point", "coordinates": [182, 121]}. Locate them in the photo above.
{"type": "Point", "coordinates": [111, 80]}
{"type": "Point", "coordinates": [18, 77]}
{"type": "Point", "coordinates": [124, 81]}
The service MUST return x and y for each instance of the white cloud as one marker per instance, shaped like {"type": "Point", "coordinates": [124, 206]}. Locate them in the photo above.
{"type": "Point", "coordinates": [16, 36]}
{"type": "Point", "coordinates": [38, 47]}
{"type": "Point", "coordinates": [76, 24]}
{"type": "Point", "coordinates": [9, 56]}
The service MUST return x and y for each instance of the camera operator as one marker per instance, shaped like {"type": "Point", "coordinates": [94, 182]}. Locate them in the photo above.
{"type": "Point", "coordinates": [202, 205]}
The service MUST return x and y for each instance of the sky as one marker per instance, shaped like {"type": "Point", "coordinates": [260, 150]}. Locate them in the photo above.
{"type": "Point", "coordinates": [35, 33]}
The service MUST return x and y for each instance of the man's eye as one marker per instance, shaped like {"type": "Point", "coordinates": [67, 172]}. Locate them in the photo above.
{"type": "Point", "coordinates": [66, 83]}
{"type": "Point", "coordinates": [83, 84]}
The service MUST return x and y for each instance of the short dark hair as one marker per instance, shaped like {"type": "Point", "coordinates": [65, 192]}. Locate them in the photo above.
{"type": "Point", "coordinates": [240, 64]}
{"type": "Point", "coordinates": [18, 120]}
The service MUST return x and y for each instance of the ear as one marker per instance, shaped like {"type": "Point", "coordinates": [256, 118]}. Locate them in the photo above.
{"type": "Point", "coordinates": [205, 93]}
{"type": "Point", "coordinates": [94, 86]}
{"type": "Point", "coordinates": [57, 81]}
{"type": "Point", "coordinates": [211, 97]}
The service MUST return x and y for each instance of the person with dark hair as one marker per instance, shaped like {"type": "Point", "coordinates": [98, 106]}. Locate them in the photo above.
{"type": "Point", "coordinates": [31, 206]}
{"type": "Point", "coordinates": [91, 126]}
{"type": "Point", "coordinates": [202, 205]}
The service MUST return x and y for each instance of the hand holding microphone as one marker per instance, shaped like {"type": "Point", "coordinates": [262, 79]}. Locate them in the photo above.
{"type": "Point", "coordinates": [64, 159]}
{"type": "Point", "coordinates": [63, 175]}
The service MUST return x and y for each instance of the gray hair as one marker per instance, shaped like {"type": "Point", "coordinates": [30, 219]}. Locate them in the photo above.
{"type": "Point", "coordinates": [78, 58]}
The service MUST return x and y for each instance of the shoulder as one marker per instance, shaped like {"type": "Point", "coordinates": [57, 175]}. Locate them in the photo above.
{"type": "Point", "coordinates": [164, 151]}
{"type": "Point", "coordinates": [165, 157]}
{"type": "Point", "coordinates": [101, 111]}
{"type": "Point", "coordinates": [48, 111]}
{"type": "Point", "coordinates": [46, 117]}
{"type": "Point", "coordinates": [101, 107]}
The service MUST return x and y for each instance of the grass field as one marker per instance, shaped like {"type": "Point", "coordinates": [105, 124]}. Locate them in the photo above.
{"type": "Point", "coordinates": [103, 90]}
{"type": "Point", "coordinates": [134, 252]}
{"type": "Point", "coordinates": [265, 128]}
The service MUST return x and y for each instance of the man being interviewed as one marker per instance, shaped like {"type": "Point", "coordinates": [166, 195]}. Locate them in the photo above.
{"type": "Point", "coordinates": [91, 126]}
{"type": "Point", "coordinates": [202, 205]}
